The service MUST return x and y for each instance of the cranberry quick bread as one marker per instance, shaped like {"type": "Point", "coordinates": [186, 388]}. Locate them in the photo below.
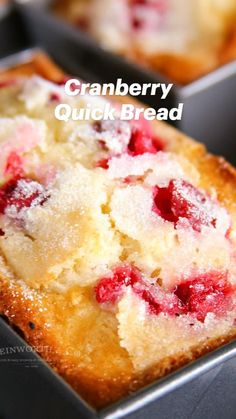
{"type": "Point", "coordinates": [184, 39]}
{"type": "Point", "coordinates": [117, 242]}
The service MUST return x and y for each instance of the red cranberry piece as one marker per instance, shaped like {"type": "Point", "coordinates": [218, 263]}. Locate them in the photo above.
{"type": "Point", "coordinates": [7, 83]}
{"type": "Point", "coordinates": [141, 143]}
{"type": "Point", "coordinates": [97, 126]}
{"type": "Point", "coordinates": [138, 2]}
{"type": "Point", "coordinates": [138, 135]}
{"type": "Point", "coordinates": [54, 97]}
{"type": "Point", "coordinates": [200, 295]}
{"type": "Point", "coordinates": [142, 139]}
{"type": "Point", "coordinates": [137, 23]}
{"type": "Point", "coordinates": [104, 163]}
{"type": "Point", "coordinates": [180, 199]}
{"type": "Point", "coordinates": [14, 165]}
{"type": "Point", "coordinates": [207, 293]}
{"type": "Point", "coordinates": [163, 303]}
{"type": "Point", "coordinates": [163, 203]}
{"type": "Point", "coordinates": [21, 193]}
{"type": "Point", "coordinates": [154, 305]}
{"type": "Point", "coordinates": [109, 289]}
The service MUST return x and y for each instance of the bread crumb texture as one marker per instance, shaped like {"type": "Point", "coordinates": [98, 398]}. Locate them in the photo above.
{"type": "Point", "coordinates": [117, 241]}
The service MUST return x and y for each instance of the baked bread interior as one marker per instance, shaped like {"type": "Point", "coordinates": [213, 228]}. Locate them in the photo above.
{"type": "Point", "coordinates": [117, 242]}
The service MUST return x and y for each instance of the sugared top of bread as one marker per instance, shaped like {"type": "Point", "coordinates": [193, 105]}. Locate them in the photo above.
{"type": "Point", "coordinates": [121, 233]}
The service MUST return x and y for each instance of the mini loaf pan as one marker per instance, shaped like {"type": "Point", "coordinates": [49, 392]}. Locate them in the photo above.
{"type": "Point", "coordinates": [29, 388]}
{"type": "Point", "coordinates": [209, 103]}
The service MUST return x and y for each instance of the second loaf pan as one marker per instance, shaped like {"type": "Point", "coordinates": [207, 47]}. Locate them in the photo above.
{"type": "Point", "coordinates": [209, 103]}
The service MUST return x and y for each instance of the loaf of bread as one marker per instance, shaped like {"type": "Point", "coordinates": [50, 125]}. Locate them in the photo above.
{"type": "Point", "coordinates": [183, 39]}
{"type": "Point", "coordinates": [117, 242]}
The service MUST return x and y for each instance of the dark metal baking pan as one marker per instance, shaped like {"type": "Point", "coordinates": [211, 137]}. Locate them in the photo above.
{"type": "Point", "coordinates": [31, 390]}
{"type": "Point", "coordinates": [209, 103]}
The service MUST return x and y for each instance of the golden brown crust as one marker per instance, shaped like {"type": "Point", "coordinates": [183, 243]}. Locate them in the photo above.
{"type": "Point", "coordinates": [184, 69]}
{"type": "Point", "coordinates": [39, 64]}
{"type": "Point", "coordinates": [56, 339]}
{"type": "Point", "coordinates": [21, 311]}
{"type": "Point", "coordinates": [98, 391]}
{"type": "Point", "coordinates": [228, 52]}
{"type": "Point", "coordinates": [180, 69]}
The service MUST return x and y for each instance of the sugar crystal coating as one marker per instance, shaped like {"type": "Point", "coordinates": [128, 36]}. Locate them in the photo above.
{"type": "Point", "coordinates": [112, 211]}
{"type": "Point", "coordinates": [120, 138]}
{"type": "Point", "coordinates": [19, 193]}
{"type": "Point", "coordinates": [182, 200]}
{"type": "Point", "coordinates": [209, 292]}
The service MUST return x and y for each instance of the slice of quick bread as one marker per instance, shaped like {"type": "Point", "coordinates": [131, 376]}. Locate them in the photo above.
{"type": "Point", "coordinates": [183, 39]}
{"type": "Point", "coordinates": [117, 242]}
